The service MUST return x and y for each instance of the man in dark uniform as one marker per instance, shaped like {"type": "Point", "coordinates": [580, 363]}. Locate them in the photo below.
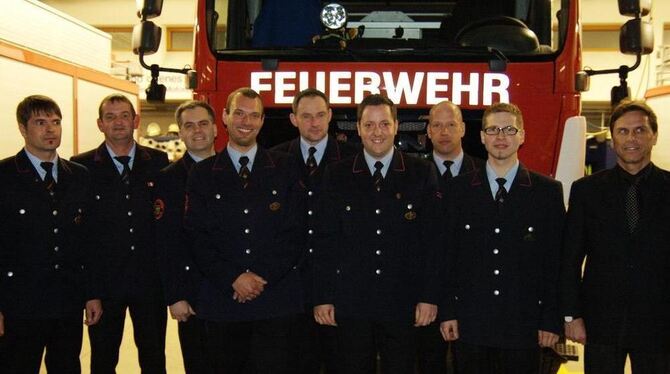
{"type": "Point", "coordinates": [245, 214]}
{"type": "Point", "coordinates": [376, 265]}
{"type": "Point", "coordinates": [618, 220]}
{"type": "Point", "coordinates": [445, 131]}
{"type": "Point", "coordinates": [122, 231]}
{"type": "Point", "coordinates": [504, 237]}
{"type": "Point", "coordinates": [181, 278]}
{"type": "Point", "coordinates": [316, 149]}
{"type": "Point", "coordinates": [44, 273]}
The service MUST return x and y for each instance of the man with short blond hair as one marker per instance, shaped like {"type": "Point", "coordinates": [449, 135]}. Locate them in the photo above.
{"type": "Point", "coordinates": [500, 301]}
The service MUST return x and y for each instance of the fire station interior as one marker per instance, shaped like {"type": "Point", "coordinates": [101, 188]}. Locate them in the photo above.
{"type": "Point", "coordinates": [451, 28]}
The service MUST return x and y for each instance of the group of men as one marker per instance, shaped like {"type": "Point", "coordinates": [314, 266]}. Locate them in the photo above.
{"type": "Point", "coordinates": [321, 256]}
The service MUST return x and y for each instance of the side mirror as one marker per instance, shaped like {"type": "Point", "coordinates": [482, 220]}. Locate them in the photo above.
{"type": "Point", "coordinates": [633, 8]}
{"type": "Point", "coordinates": [191, 79]}
{"type": "Point", "coordinates": [582, 81]}
{"type": "Point", "coordinates": [636, 37]}
{"type": "Point", "coordinates": [147, 9]}
{"type": "Point", "coordinates": [146, 38]}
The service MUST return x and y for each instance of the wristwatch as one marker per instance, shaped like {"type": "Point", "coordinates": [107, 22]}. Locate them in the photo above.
{"type": "Point", "coordinates": [568, 318]}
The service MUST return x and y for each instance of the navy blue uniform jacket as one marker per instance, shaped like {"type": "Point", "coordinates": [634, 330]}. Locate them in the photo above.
{"type": "Point", "coordinates": [44, 261]}
{"type": "Point", "coordinates": [236, 229]}
{"type": "Point", "coordinates": [503, 265]}
{"type": "Point", "coordinates": [122, 223]}
{"type": "Point", "coordinates": [377, 252]}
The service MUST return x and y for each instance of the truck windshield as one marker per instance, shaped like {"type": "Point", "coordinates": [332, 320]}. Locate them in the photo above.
{"type": "Point", "coordinates": [293, 27]}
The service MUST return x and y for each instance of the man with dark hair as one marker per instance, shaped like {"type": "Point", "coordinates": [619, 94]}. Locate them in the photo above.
{"type": "Point", "coordinates": [244, 213]}
{"type": "Point", "coordinates": [44, 272]}
{"type": "Point", "coordinates": [503, 242]}
{"type": "Point", "coordinates": [617, 220]}
{"type": "Point", "coordinates": [123, 234]}
{"type": "Point", "coordinates": [376, 251]}
{"type": "Point", "coordinates": [181, 278]}
{"type": "Point", "coordinates": [316, 149]}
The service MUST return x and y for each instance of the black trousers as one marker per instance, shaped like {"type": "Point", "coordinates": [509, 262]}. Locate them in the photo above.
{"type": "Point", "coordinates": [432, 350]}
{"type": "Point", "coordinates": [611, 359]}
{"type": "Point", "coordinates": [193, 347]}
{"type": "Point", "coordinates": [25, 341]}
{"type": "Point", "coordinates": [477, 359]}
{"type": "Point", "coordinates": [317, 346]}
{"type": "Point", "coordinates": [360, 340]}
{"type": "Point", "coordinates": [253, 347]}
{"type": "Point", "coordinates": [149, 319]}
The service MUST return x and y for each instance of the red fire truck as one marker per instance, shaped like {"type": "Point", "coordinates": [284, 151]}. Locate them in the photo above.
{"type": "Point", "coordinates": [418, 53]}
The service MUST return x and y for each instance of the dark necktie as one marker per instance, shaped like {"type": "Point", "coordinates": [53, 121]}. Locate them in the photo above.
{"type": "Point", "coordinates": [447, 173]}
{"type": "Point", "coordinates": [502, 192]}
{"type": "Point", "coordinates": [632, 206]}
{"type": "Point", "coordinates": [377, 176]}
{"type": "Point", "coordinates": [244, 171]}
{"type": "Point", "coordinates": [311, 161]}
{"type": "Point", "coordinates": [125, 174]}
{"type": "Point", "coordinates": [49, 181]}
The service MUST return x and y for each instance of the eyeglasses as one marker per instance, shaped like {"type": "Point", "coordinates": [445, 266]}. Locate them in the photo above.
{"type": "Point", "coordinates": [507, 130]}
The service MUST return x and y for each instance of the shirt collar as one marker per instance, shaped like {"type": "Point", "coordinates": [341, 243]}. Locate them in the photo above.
{"type": "Point", "coordinates": [235, 156]}
{"type": "Point", "coordinates": [455, 167]}
{"type": "Point", "coordinates": [37, 164]}
{"type": "Point", "coordinates": [509, 177]}
{"type": "Point", "coordinates": [320, 149]}
{"type": "Point", "coordinates": [386, 160]}
{"type": "Point", "coordinates": [131, 154]}
{"type": "Point", "coordinates": [194, 157]}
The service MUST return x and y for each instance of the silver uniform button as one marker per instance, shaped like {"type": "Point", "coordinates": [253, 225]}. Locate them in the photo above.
{"type": "Point", "coordinates": [539, 302]}
{"type": "Point", "coordinates": [56, 266]}
{"type": "Point", "coordinates": [246, 231]}
{"type": "Point", "coordinates": [310, 193]}
{"type": "Point", "coordinates": [496, 292]}
{"type": "Point", "coordinates": [56, 248]}
{"type": "Point", "coordinates": [56, 230]}
{"type": "Point", "coordinates": [127, 197]}
{"type": "Point", "coordinates": [310, 231]}
{"type": "Point", "coordinates": [247, 251]}
{"type": "Point", "coordinates": [97, 197]}
{"type": "Point", "coordinates": [378, 271]}
{"type": "Point", "coordinates": [378, 211]}
{"type": "Point", "coordinates": [530, 229]}
{"type": "Point", "coordinates": [274, 192]}
{"type": "Point", "coordinates": [55, 212]}
{"type": "Point", "coordinates": [347, 208]}
{"type": "Point", "coordinates": [132, 247]}
{"type": "Point", "coordinates": [496, 251]}
{"type": "Point", "coordinates": [311, 250]}
{"type": "Point", "coordinates": [130, 213]}
{"type": "Point", "coordinates": [187, 268]}
{"type": "Point", "coordinates": [497, 230]}
{"type": "Point", "coordinates": [379, 232]}
{"type": "Point", "coordinates": [22, 211]}
{"type": "Point", "coordinates": [409, 206]}
{"type": "Point", "coordinates": [10, 274]}
{"type": "Point", "coordinates": [496, 272]}
{"type": "Point", "coordinates": [246, 211]}
{"type": "Point", "coordinates": [131, 230]}
{"type": "Point", "coordinates": [378, 252]}
{"type": "Point", "coordinates": [309, 212]}
{"type": "Point", "coordinates": [467, 227]}
{"type": "Point", "coordinates": [217, 196]}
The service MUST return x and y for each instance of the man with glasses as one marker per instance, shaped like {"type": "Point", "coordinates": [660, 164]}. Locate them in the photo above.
{"type": "Point", "coordinates": [244, 210]}
{"type": "Point", "coordinates": [618, 220]}
{"type": "Point", "coordinates": [504, 222]}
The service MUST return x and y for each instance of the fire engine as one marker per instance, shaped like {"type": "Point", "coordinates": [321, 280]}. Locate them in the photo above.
{"type": "Point", "coordinates": [418, 53]}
